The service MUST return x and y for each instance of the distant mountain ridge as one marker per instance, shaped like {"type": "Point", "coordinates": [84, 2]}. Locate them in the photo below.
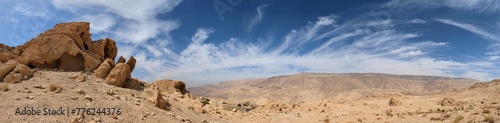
{"type": "Point", "coordinates": [317, 86]}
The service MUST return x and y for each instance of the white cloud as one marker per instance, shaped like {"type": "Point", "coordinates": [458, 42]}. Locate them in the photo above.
{"type": "Point", "coordinates": [259, 16]}
{"type": "Point", "coordinates": [482, 6]}
{"type": "Point", "coordinates": [416, 21]}
{"type": "Point", "coordinates": [31, 10]}
{"type": "Point", "coordinates": [137, 19]}
{"type": "Point", "coordinates": [382, 51]}
{"type": "Point", "coordinates": [471, 28]}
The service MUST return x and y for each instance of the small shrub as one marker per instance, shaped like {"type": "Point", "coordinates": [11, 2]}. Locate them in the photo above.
{"type": "Point", "coordinates": [458, 119]}
{"type": "Point", "coordinates": [4, 88]}
{"type": "Point", "coordinates": [54, 87]}
{"type": "Point", "coordinates": [205, 101]}
{"type": "Point", "coordinates": [360, 120]}
{"type": "Point", "coordinates": [486, 111]}
{"type": "Point", "coordinates": [389, 113]}
{"type": "Point", "coordinates": [326, 120]}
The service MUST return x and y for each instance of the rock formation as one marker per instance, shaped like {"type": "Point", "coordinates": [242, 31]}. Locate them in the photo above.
{"type": "Point", "coordinates": [395, 102]}
{"type": "Point", "coordinates": [171, 86]}
{"type": "Point", "coordinates": [103, 70]}
{"type": "Point", "coordinates": [120, 74]}
{"type": "Point", "coordinates": [158, 100]}
{"type": "Point", "coordinates": [67, 46]}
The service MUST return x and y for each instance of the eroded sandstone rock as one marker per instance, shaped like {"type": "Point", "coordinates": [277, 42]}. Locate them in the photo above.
{"type": "Point", "coordinates": [119, 75]}
{"type": "Point", "coordinates": [158, 101]}
{"type": "Point", "coordinates": [171, 86]}
{"type": "Point", "coordinates": [395, 102]}
{"type": "Point", "coordinates": [6, 68]}
{"type": "Point", "coordinates": [103, 70]}
{"type": "Point", "coordinates": [67, 46]}
{"type": "Point", "coordinates": [21, 72]}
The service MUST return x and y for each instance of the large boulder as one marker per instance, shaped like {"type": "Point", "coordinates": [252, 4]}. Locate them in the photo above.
{"type": "Point", "coordinates": [170, 86]}
{"type": "Point", "coordinates": [21, 72]}
{"type": "Point", "coordinates": [158, 101]}
{"type": "Point", "coordinates": [6, 68]}
{"type": "Point", "coordinates": [134, 83]}
{"type": "Point", "coordinates": [395, 102]}
{"type": "Point", "coordinates": [119, 75]}
{"type": "Point", "coordinates": [103, 70]}
{"type": "Point", "coordinates": [67, 46]}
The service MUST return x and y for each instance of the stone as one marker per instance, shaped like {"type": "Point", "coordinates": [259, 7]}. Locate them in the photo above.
{"type": "Point", "coordinates": [121, 60]}
{"type": "Point", "coordinates": [78, 77]}
{"type": "Point", "coordinates": [6, 68]}
{"type": "Point", "coordinates": [119, 75]}
{"type": "Point", "coordinates": [395, 102]}
{"type": "Point", "coordinates": [450, 102]}
{"type": "Point", "coordinates": [158, 101]}
{"type": "Point", "coordinates": [134, 83]}
{"type": "Point", "coordinates": [170, 86]}
{"type": "Point", "coordinates": [131, 63]}
{"type": "Point", "coordinates": [103, 70]}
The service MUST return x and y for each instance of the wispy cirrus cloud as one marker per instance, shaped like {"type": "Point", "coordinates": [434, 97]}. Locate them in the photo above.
{"type": "Point", "coordinates": [259, 16]}
{"type": "Point", "coordinates": [416, 21]}
{"type": "Point", "coordinates": [350, 50]}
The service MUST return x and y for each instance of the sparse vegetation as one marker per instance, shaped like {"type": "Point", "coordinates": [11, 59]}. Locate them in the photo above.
{"type": "Point", "coordinates": [389, 113]}
{"type": "Point", "coordinates": [360, 120]}
{"type": "Point", "coordinates": [54, 87]}
{"type": "Point", "coordinates": [326, 120]}
{"type": "Point", "coordinates": [4, 88]}
{"type": "Point", "coordinates": [458, 119]}
{"type": "Point", "coordinates": [205, 101]}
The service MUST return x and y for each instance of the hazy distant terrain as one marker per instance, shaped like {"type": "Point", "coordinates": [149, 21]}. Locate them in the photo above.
{"type": "Point", "coordinates": [317, 86]}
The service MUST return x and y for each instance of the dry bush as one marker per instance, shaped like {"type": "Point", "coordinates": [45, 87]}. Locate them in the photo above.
{"type": "Point", "coordinates": [326, 120]}
{"type": "Point", "coordinates": [360, 120]}
{"type": "Point", "coordinates": [489, 119]}
{"type": "Point", "coordinates": [4, 88]}
{"type": "Point", "coordinates": [458, 119]}
{"type": "Point", "coordinates": [486, 111]}
{"type": "Point", "coordinates": [54, 87]}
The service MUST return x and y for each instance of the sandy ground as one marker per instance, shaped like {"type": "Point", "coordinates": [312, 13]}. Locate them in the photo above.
{"type": "Point", "coordinates": [59, 90]}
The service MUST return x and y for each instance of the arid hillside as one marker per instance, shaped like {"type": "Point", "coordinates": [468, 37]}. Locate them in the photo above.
{"type": "Point", "coordinates": [318, 86]}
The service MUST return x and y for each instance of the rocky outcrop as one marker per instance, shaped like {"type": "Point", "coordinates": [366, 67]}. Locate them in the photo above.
{"type": "Point", "coordinates": [120, 74]}
{"type": "Point", "coordinates": [7, 53]}
{"type": "Point", "coordinates": [67, 46]}
{"type": "Point", "coordinates": [449, 102]}
{"type": "Point", "coordinates": [103, 70]}
{"type": "Point", "coordinates": [158, 101]}
{"type": "Point", "coordinates": [21, 72]}
{"type": "Point", "coordinates": [134, 83]}
{"type": "Point", "coordinates": [170, 86]}
{"type": "Point", "coordinates": [6, 68]}
{"type": "Point", "coordinates": [395, 102]}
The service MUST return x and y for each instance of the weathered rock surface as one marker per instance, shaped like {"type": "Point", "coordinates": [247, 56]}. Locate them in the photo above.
{"type": "Point", "coordinates": [158, 101]}
{"type": "Point", "coordinates": [395, 102]}
{"type": "Point", "coordinates": [21, 72]}
{"type": "Point", "coordinates": [134, 83]}
{"type": "Point", "coordinates": [170, 86]}
{"type": "Point", "coordinates": [103, 70]}
{"type": "Point", "coordinates": [67, 46]}
{"type": "Point", "coordinates": [6, 68]}
{"type": "Point", "coordinates": [119, 75]}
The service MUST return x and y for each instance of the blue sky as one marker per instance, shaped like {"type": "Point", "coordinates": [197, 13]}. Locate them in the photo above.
{"type": "Point", "coordinates": [207, 41]}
